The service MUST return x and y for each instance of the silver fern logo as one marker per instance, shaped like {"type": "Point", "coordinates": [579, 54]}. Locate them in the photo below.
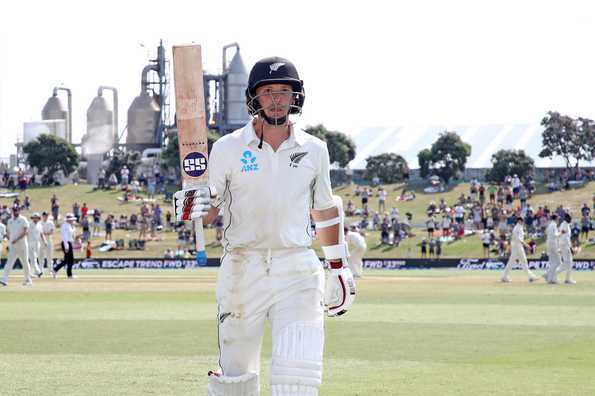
{"type": "Point", "coordinates": [296, 158]}
{"type": "Point", "coordinates": [275, 66]}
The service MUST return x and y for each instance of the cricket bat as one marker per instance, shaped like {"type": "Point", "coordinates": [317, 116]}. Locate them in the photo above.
{"type": "Point", "coordinates": [192, 127]}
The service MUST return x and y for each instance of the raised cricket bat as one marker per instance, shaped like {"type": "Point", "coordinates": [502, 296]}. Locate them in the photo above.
{"type": "Point", "coordinates": [192, 127]}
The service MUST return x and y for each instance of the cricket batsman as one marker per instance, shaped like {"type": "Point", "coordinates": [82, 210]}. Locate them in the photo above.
{"type": "Point", "coordinates": [272, 177]}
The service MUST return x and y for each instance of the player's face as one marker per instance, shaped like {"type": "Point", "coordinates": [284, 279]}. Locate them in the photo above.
{"type": "Point", "coordinates": [275, 99]}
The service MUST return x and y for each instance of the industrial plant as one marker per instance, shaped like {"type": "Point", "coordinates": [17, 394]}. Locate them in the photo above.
{"type": "Point", "coordinates": [150, 117]}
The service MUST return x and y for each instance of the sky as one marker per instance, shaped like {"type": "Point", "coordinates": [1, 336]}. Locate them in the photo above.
{"type": "Point", "coordinates": [364, 64]}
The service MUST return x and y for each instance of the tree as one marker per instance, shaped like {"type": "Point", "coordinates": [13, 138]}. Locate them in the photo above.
{"type": "Point", "coordinates": [446, 158]}
{"type": "Point", "coordinates": [50, 153]}
{"type": "Point", "coordinates": [341, 147]}
{"type": "Point", "coordinates": [119, 158]}
{"type": "Point", "coordinates": [567, 137]}
{"type": "Point", "coordinates": [510, 162]}
{"type": "Point", "coordinates": [389, 167]}
{"type": "Point", "coordinates": [170, 157]}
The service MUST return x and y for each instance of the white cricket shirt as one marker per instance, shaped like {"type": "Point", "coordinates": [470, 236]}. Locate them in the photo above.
{"type": "Point", "coordinates": [518, 235]}
{"type": "Point", "coordinates": [48, 228]}
{"type": "Point", "coordinates": [551, 233]}
{"type": "Point", "coordinates": [2, 232]}
{"type": "Point", "coordinates": [34, 233]}
{"type": "Point", "coordinates": [16, 227]}
{"type": "Point", "coordinates": [267, 195]}
{"type": "Point", "coordinates": [565, 235]}
{"type": "Point", "coordinates": [67, 232]}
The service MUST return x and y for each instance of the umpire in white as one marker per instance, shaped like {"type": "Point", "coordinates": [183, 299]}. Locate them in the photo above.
{"type": "Point", "coordinates": [67, 232]}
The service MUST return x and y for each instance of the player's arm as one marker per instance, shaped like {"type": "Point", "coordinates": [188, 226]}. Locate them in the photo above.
{"type": "Point", "coordinates": [327, 212]}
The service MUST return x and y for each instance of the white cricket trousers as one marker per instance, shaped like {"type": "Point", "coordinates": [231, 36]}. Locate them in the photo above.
{"type": "Point", "coordinates": [282, 286]}
{"type": "Point", "coordinates": [46, 253]}
{"type": "Point", "coordinates": [33, 256]}
{"type": "Point", "coordinates": [356, 265]}
{"type": "Point", "coordinates": [517, 255]}
{"type": "Point", "coordinates": [554, 262]}
{"type": "Point", "coordinates": [19, 251]}
{"type": "Point", "coordinates": [567, 262]}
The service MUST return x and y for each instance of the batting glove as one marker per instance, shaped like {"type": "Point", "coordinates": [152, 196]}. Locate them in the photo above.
{"type": "Point", "coordinates": [340, 291]}
{"type": "Point", "coordinates": [193, 203]}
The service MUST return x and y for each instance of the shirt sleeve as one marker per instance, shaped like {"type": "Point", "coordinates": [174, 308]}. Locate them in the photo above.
{"type": "Point", "coordinates": [323, 193]}
{"type": "Point", "coordinates": [218, 173]}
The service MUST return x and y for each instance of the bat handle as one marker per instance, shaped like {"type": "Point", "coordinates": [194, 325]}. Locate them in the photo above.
{"type": "Point", "coordinates": [201, 254]}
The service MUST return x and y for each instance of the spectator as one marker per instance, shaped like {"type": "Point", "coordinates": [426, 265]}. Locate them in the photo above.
{"type": "Point", "coordinates": [438, 248]}
{"type": "Point", "coordinates": [430, 226]}
{"type": "Point", "coordinates": [365, 196]}
{"type": "Point", "coordinates": [84, 210]}
{"type": "Point", "coordinates": [109, 226]}
{"type": "Point", "coordinates": [27, 203]}
{"type": "Point", "coordinates": [381, 199]}
{"type": "Point", "coordinates": [124, 176]}
{"type": "Point", "coordinates": [492, 193]}
{"type": "Point", "coordinates": [431, 245]}
{"type": "Point", "coordinates": [169, 254]}
{"type": "Point", "coordinates": [486, 239]}
{"type": "Point", "coordinates": [101, 179]}
{"type": "Point", "coordinates": [424, 248]}
{"type": "Point", "coordinates": [86, 229]}
{"type": "Point", "coordinates": [96, 222]}
{"type": "Point", "coordinates": [76, 211]}
{"type": "Point", "coordinates": [585, 226]}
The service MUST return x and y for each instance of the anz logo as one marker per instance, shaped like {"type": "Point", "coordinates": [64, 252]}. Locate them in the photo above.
{"type": "Point", "coordinates": [248, 162]}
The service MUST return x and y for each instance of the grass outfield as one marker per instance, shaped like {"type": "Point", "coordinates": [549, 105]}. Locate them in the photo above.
{"type": "Point", "coordinates": [436, 332]}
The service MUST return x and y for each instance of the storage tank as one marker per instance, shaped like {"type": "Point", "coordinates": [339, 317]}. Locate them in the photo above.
{"type": "Point", "coordinates": [100, 127]}
{"type": "Point", "coordinates": [143, 120]}
{"type": "Point", "coordinates": [54, 110]}
{"type": "Point", "coordinates": [236, 111]}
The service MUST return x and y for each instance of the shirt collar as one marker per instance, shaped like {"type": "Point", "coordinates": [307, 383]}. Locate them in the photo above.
{"type": "Point", "coordinates": [297, 135]}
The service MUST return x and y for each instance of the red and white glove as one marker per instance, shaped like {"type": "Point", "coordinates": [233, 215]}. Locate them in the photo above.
{"type": "Point", "coordinates": [340, 290]}
{"type": "Point", "coordinates": [193, 203]}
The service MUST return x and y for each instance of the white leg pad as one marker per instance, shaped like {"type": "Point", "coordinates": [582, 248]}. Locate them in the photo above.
{"type": "Point", "coordinates": [296, 367]}
{"type": "Point", "coordinates": [293, 390]}
{"type": "Point", "coordinates": [243, 385]}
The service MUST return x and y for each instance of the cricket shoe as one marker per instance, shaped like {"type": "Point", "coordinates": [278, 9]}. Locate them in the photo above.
{"type": "Point", "coordinates": [28, 283]}
{"type": "Point", "coordinates": [570, 282]}
{"type": "Point", "coordinates": [505, 280]}
{"type": "Point", "coordinates": [533, 279]}
{"type": "Point", "coordinates": [2, 283]}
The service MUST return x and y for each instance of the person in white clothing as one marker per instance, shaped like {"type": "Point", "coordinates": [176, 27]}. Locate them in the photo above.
{"type": "Point", "coordinates": [272, 178]}
{"type": "Point", "coordinates": [34, 240]}
{"type": "Point", "coordinates": [552, 249]}
{"type": "Point", "coordinates": [566, 249]}
{"type": "Point", "coordinates": [46, 251]}
{"type": "Point", "coordinates": [357, 247]}
{"type": "Point", "coordinates": [2, 236]}
{"type": "Point", "coordinates": [67, 233]}
{"type": "Point", "coordinates": [17, 235]}
{"type": "Point", "coordinates": [517, 252]}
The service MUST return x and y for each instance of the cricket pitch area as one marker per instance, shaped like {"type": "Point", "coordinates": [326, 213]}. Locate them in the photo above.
{"type": "Point", "coordinates": [415, 332]}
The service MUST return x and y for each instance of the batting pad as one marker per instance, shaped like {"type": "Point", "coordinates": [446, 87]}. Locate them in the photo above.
{"type": "Point", "coordinates": [296, 367]}
{"type": "Point", "coordinates": [243, 385]}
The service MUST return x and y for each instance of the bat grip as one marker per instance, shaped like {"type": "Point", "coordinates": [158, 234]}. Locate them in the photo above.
{"type": "Point", "coordinates": [201, 254]}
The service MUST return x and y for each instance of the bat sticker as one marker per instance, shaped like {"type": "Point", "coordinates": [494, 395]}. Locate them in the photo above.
{"type": "Point", "coordinates": [195, 164]}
